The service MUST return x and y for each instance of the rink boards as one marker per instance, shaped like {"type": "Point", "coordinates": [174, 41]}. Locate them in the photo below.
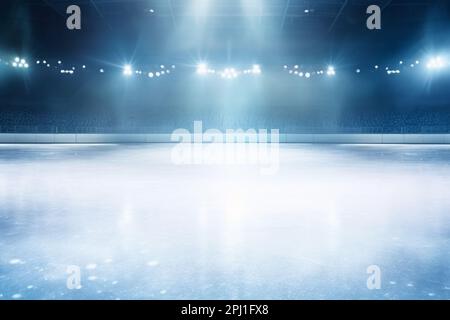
{"type": "Point", "coordinates": [283, 138]}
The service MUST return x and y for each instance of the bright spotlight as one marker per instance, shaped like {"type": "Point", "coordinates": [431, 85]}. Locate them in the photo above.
{"type": "Point", "coordinates": [256, 69]}
{"type": "Point", "coordinates": [150, 75]}
{"type": "Point", "coordinates": [127, 70]}
{"type": "Point", "coordinates": [436, 63]}
{"type": "Point", "coordinates": [331, 71]}
{"type": "Point", "coordinates": [202, 68]}
{"type": "Point", "coordinates": [19, 63]}
{"type": "Point", "coordinates": [307, 75]}
{"type": "Point", "coordinates": [230, 73]}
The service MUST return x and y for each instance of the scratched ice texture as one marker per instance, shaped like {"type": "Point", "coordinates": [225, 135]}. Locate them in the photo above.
{"type": "Point", "coordinates": [140, 226]}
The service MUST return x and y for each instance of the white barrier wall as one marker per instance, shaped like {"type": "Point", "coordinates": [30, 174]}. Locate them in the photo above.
{"type": "Point", "coordinates": [26, 138]}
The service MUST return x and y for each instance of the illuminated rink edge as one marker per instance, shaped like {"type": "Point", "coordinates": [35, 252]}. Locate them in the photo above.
{"type": "Point", "coordinates": [74, 138]}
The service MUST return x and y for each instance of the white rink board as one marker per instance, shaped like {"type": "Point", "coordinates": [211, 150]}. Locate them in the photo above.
{"type": "Point", "coordinates": [31, 138]}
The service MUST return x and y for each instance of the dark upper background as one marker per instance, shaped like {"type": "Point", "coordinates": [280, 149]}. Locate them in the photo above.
{"type": "Point", "coordinates": [223, 32]}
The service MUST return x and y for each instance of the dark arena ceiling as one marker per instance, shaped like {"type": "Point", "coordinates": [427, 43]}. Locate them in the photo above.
{"type": "Point", "coordinates": [221, 28]}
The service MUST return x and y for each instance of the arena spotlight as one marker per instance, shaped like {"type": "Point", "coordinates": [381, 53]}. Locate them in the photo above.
{"type": "Point", "coordinates": [436, 63]}
{"type": "Point", "coordinates": [202, 68]}
{"type": "Point", "coordinates": [331, 71]}
{"type": "Point", "coordinates": [150, 75]}
{"type": "Point", "coordinates": [20, 63]}
{"type": "Point", "coordinates": [230, 73]}
{"type": "Point", "coordinates": [256, 69]}
{"type": "Point", "coordinates": [127, 70]}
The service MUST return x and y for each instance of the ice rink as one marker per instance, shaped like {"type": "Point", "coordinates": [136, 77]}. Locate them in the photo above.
{"type": "Point", "coordinates": [141, 224]}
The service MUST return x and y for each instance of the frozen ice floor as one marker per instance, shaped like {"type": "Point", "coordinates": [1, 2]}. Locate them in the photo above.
{"type": "Point", "coordinates": [140, 226]}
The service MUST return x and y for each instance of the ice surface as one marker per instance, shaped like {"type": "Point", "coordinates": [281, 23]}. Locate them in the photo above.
{"type": "Point", "coordinates": [139, 226]}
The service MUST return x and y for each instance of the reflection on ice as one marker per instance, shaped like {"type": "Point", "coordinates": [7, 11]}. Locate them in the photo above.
{"type": "Point", "coordinates": [138, 225]}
